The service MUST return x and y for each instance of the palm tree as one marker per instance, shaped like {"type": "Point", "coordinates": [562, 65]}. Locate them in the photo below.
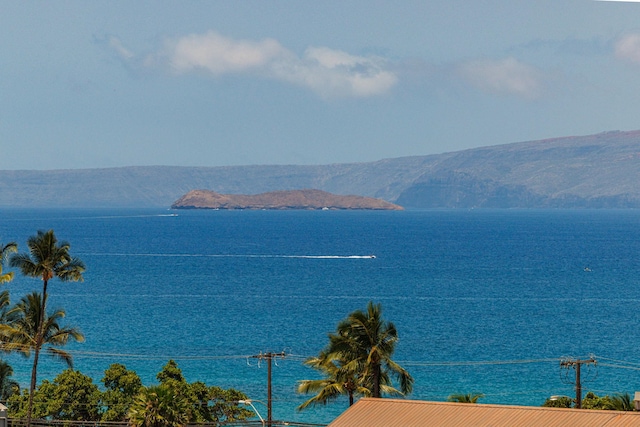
{"type": "Point", "coordinates": [7, 385]}
{"type": "Point", "coordinates": [159, 406]}
{"type": "Point", "coordinates": [48, 258]}
{"type": "Point", "coordinates": [336, 381]}
{"type": "Point", "coordinates": [4, 305]}
{"type": "Point", "coordinates": [622, 402]}
{"type": "Point", "coordinates": [361, 350]}
{"type": "Point", "coordinates": [367, 343]}
{"type": "Point", "coordinates": [465, 398]}
{"type": "Point", "coordinates": [29, 328]}
{"type": "Point", "coordinates": [4, 254]}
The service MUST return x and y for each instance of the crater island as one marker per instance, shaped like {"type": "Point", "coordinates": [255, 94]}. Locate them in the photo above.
{"type": "Point", "coordinates": [280, 200]}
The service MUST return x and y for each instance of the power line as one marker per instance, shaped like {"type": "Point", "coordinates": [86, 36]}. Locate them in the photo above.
{"type": "Point", "coordinates": [269, 357]}
{"type": "Point", "coordinates": [620, 361]}
{"type": "Point", "coordinates": [481, 362]}
{"type": "Point", "coordinates": [633, 368]}
{"type": "Point", "coordinates": [576, 364]}
{"type": "Point", "coordinates": [84, 354]}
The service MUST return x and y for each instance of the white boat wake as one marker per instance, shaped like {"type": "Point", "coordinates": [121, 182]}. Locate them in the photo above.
{"type": "Point", "coordinates": [328, 256]}
{"type": "Point", "coordinates": [233, 256]}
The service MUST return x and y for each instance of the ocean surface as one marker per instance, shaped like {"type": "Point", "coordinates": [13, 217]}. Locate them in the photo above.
{"type": "Point", "coordinates": [485, 301]}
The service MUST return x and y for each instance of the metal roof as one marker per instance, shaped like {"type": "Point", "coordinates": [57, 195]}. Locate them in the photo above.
{"type": "Point", "coordinates": [370, 412]}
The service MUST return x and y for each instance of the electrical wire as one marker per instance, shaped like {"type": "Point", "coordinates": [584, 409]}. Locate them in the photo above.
{"type": "Point", "coordinates": [82, 354]}
{"type": "Point", "coordinates": [477, 363]}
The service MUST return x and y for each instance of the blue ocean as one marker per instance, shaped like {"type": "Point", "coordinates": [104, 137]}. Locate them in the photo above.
{"type": "Point", "coordinates": [485, 301]}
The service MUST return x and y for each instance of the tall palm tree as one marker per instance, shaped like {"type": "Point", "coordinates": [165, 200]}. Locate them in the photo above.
{"type": "Point", "coordinates": [5, 250]}
{"type": "Point", "coordinates": [361, 350]}
{"type": "Point", "coordinates": [47, 258]}
{"type": "Point", "coordinates": [29, 328]}
{"type": "Point", "coordinates": [367, 342]}
{"type": "Point", "coordinates": [7, 385]}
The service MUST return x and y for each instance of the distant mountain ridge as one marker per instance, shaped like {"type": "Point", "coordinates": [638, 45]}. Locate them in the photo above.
{"type": "Point", "coordinates": [593, 171]}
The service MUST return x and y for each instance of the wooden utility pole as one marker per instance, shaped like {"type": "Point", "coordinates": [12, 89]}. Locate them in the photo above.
{"type": "Point", "coordinates": [269, 357]}
{"type": "Point", "coordinates": [577, 363]}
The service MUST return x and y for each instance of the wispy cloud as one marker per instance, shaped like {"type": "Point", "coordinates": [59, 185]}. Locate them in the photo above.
{"type": "Point", "coordinates": [115, 44]}
{"type": "Point", "coordinates": [327, 72]}
{"type": "Point", "coordinates": [332, 73]}
{"type": "Point", "coordinates": [503, 77]}
{"type": "Point", "coordinates": [628, 48]}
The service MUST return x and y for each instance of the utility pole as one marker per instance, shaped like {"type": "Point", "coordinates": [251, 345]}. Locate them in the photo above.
{"type": "Point", "coordinates": [269, 357]}
{"type": "Point", "coordinates": [576, 364]}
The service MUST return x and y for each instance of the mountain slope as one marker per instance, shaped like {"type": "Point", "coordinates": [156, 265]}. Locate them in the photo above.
{"type": "Point", "coordinates": [600, 170]}
{"type": "Point", "coordinates": [593, 171]}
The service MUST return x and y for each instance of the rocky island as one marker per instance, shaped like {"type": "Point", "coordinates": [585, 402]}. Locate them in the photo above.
{"type": "Point", "coordinates": [280, 200]}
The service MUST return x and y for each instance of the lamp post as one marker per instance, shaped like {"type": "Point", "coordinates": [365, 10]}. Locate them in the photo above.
{"type": "Point", "coordinates": [248, 402]}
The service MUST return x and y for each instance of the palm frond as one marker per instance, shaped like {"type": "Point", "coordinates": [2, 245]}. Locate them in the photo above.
{"type": "Point", "coordinates": [62, 355]}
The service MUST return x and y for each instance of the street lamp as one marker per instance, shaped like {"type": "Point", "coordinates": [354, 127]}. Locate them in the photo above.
{"type": "Point", "coordinates": [248, 402]}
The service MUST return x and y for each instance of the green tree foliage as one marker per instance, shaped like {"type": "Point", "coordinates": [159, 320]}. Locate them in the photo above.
{"type": "Point", "coordinates": [47, 258]}
{"type": "Point", "coordinates": [337, 380]}
{"type": "Point", "coordinates": [616, 402]}
{"type": "Point", "coordinates": [215, 404]}
{"type": "Point", "coordinates": [4, 305]}
{"type": "Point", "coordinates": [30, 329]}
{"type": "Point", "coordinates": [358, 359]}
{"type": "Point", "coordinates": [71, 396]}
{"type": "Point", "coordinates": [465, 398]}
{"type": "Point", "coordinates": [368, 342]}
{"type": "Point", "coordinates": [593, 401]}
{"type": "Point", "coordinates": [559, 402]}
{"type": "Point", "coordinates": [121, 386]}
{"type": "Point", "coordinates": [19, 402]}
{"type": "Point", "coordinates": [622, 402]}
{"type": "Point", "coordinates": [8, 386]}
{"type": "Point", "coordinates": [159, 406]}
{"type": "Point", "coordinates": [5, 250]}
{"type": "Point", "coordinates": [170, 373]}
{"type": "Point", "coordinates": [199, 402]}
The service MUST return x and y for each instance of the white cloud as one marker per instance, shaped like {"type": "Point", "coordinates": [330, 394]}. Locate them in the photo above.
{"type": "Point", "coordinates": [333, 73]}
{"type": "Point", "coordinates": [329, 73]}
{"type": "Point", "coordinates": [220, 55]}
{"type": "Point", "coordinates": [506, 77]}
{"type": "Point", "coordinates": [628, 48]}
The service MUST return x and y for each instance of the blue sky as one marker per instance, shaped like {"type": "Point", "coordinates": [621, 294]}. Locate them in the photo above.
{"type": "Point", "coordinates": [213, 83]}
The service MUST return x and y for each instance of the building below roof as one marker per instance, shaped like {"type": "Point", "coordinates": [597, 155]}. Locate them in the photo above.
{"type": "Point", "coordinates": [370, 412]}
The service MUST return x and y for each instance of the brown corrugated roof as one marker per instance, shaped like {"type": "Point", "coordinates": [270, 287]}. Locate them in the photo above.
{"type": "Point", "coordinates": [369, 412]}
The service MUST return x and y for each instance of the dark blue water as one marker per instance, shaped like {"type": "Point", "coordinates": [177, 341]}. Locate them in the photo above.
{"type": "Point", "coordinates": [484, 301]}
